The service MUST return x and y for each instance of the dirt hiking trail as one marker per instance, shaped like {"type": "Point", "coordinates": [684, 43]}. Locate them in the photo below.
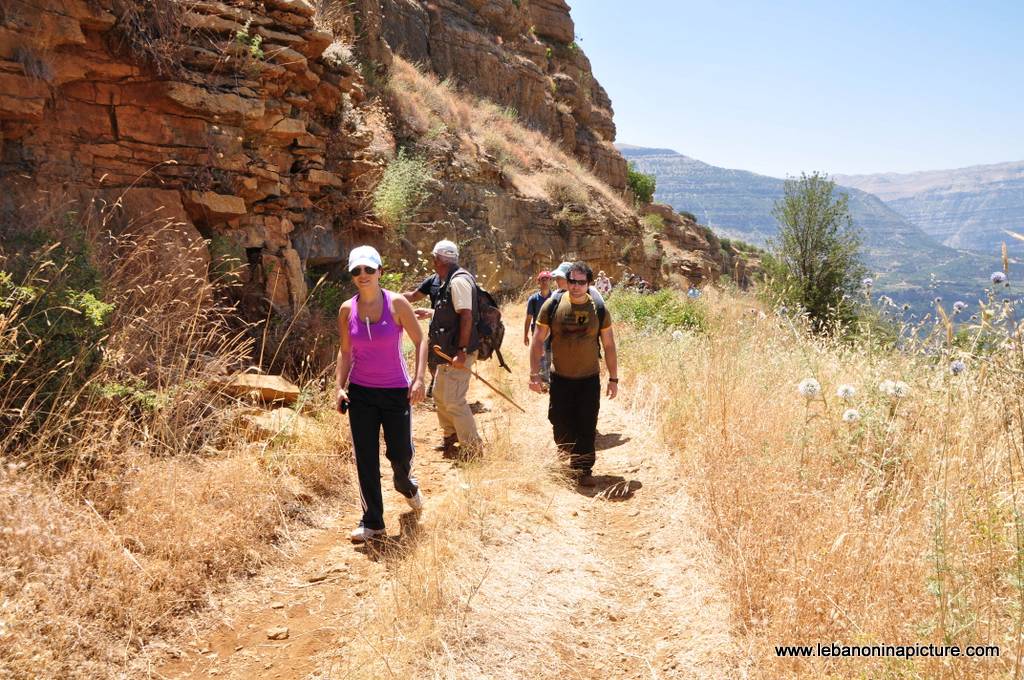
{"type": "Point", "coordinates": [614, 581]}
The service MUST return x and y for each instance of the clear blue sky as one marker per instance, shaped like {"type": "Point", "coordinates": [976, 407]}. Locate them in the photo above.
{"type": "Point", "coordinates": [840, 87]}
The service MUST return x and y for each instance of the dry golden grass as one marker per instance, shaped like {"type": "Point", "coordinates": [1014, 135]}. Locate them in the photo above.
{"type": "Point", "coordinates": [130, 494]}
{"type": "Point", "coordinates": [901, 528]}
{"type": "Point", "coordinates": [444, 118]}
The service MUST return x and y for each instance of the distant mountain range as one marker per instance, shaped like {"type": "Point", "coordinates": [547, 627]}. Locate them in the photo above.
{"type": "Point", "coordinates": [909, 265]}
{"type": "Point", "coordinates": [968, 208]}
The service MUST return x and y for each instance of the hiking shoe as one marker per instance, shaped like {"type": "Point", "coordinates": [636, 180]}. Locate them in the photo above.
{"type": "Point", "coordinates": [416, 502]}
{"type": "Point", "coordinates": [362, 534]}
{"type": "Point", "coordinates": [584, 478]}
{"type": "Point", "coordinates": [447, 443]}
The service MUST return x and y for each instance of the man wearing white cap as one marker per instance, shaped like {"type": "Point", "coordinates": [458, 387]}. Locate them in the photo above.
{"type": "Point", "coordinates": [453, 321]}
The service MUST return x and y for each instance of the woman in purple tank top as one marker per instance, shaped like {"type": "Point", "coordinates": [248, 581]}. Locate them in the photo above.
{"type": "Point", "coordinates": [375, 389]}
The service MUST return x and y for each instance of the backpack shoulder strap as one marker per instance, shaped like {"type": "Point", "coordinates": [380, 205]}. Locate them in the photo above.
{"type": "Point", "coordinates": [600, 313]}
{"type": "Point", "coordinates": [557, 299]}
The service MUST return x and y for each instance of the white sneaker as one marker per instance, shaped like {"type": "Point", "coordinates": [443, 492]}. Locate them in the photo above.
{"type": "Point", "coordinates": [416, 502]}
{"type": "Point", "coordinates": [362, 534]}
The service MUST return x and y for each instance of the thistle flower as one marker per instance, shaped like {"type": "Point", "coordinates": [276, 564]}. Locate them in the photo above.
{"type": "Point", "coordinates": [887, 387]}
{"type": "Point", "coordinates": [938, 300]}
{"type": "Point", "coordinates": [783, 310]}
{"type": "Point", "coordinates": [846, 391]}
{"type": "Point", "coordinates": [693, 293]}
{"type": "Point", "coordinates": [959, 306]}
{"type": "Point", "coordinates": [956, 367]}
{"type": "Point", "coordinates": [809, 388]}
{"type": "Point", "coordinates": [677, 335]}
{"type": "Point", "coordinates": [867, 282]}
{"type": "Point", "coordinates": [998, 277]}
{"type": "Point", "coordinates": [851, 415]}
{"type": "Point", "coordinates": [900, 389]}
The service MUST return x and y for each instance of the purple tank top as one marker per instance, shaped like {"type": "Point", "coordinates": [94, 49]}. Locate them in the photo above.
{"type": "Point", "coordinates": [377, 359]}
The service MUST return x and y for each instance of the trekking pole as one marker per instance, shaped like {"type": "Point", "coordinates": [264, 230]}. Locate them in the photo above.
{"type": "Point", "coordinates": [438, 352]}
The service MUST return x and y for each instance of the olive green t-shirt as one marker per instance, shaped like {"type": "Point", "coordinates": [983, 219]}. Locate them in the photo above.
{"type": "Point", "coordinates": [574, 331]}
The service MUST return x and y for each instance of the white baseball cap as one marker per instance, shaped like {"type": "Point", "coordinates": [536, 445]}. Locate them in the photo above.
{"type": "Point", "coordinates": [562, 270]}
{"type": "Point", "coordinates": [366, 256]}
{"type": "Point", "coordinates": [446, 248]}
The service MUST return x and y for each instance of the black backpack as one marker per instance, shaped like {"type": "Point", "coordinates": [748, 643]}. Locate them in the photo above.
{"type": "Point", "coordinates": [489, 327]}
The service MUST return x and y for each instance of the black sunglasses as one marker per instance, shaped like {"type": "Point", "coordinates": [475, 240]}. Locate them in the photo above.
{"type": "Point", "coordinates": [358, 271]}
{"type": "Point", "coordinates": [578, 282]}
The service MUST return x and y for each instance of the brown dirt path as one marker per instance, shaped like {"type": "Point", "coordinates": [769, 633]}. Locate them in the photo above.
{"type": "Point", "coordinates": [617, 581]}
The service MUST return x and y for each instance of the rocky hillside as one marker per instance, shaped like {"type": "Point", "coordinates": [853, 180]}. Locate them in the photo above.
{"type": "Point", "coordinates": [909, 265]}
{"type": "Point", "coordinates": [969, 208]}
{"type": "Point", "coordinates": [264, 128]}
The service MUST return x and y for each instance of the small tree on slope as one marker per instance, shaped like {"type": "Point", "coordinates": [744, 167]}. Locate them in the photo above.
{"type": "Point", "coordinates": [816, 263]}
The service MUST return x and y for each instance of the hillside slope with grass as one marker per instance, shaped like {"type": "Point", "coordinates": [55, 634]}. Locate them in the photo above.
{"type": "Point", "coordinates": [970, 208]}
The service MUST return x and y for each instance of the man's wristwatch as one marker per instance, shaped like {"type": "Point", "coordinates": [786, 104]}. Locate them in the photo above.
{"type": "Point", "coordinates": [614, 380]}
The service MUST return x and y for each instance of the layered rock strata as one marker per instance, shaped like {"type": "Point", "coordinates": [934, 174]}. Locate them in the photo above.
{"type": "Point", "coordinates": [234, 122]}
{"type": "Point", "coordinates": [517, 53]}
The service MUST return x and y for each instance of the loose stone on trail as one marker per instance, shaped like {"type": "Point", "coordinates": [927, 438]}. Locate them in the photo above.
{"type": "Point", "coordinates": [277, 633]}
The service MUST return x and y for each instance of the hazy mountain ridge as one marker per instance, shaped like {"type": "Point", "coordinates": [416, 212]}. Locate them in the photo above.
{"type": "Point", "coordinates": [967, 208]}
{"type": "Point", "coordinates": [738, 203]}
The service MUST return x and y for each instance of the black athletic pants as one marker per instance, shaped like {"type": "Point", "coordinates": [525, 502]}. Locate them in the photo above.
{"type": "Point", "coordinates": [369, 409]}
{"type": "Point", "coordinates": [572, 411]}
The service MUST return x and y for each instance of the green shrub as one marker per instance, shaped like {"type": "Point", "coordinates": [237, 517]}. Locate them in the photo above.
{"type": "Point", "coordinates": [654, 223]}
{"type": "Point", "coordinates": [401, 190]}
{"type": "Point", "coordinates": [327, 296]}
{"type": "Point", "coordinates": [688, 215]}
{"type": "Point", "coordinates": [665, 310]}
{"type": "Point", "coordinates": [642, 184]}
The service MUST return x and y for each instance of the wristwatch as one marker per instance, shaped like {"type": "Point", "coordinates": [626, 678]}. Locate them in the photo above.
{"type": "Point", "coordinates": [464, 349]}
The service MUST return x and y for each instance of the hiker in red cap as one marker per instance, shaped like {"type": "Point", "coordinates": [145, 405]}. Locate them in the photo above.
{"type": "Point", "coordinates": [533, 305]}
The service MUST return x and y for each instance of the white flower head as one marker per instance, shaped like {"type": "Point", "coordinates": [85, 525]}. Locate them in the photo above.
{"type": "Point", "coordinates": [809, 388]}
{"type": "Point", "coordinates": [677, 335]}
{"type": "Point", "coordinates": [998, 277]}
{"type": "Point", "coordinates": [851, 415]}
{"type": "Point", "coordinates": [956, 367]}
{"type": "Point", "coordinates": [900, 389]}
{"type": "Point", "coordinates": [887, 387]}
{"type": "Point", "coordinates": [846, 391]}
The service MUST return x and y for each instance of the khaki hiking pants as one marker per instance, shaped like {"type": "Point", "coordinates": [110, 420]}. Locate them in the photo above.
{"type": "Point", "coordinates": [453, 412]}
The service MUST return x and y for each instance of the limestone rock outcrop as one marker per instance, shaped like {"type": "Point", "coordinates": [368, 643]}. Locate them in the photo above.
{"type": "Point", "coordinates": [694, 256]}
{"type": "Point", "coordinates": [227, 120]}
{"type": "Point", "coordinates": [264, 125]}
{"type": "Point", "coordinates": [517, 53]}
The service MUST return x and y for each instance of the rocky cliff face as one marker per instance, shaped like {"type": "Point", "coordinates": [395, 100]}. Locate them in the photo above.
{"type": "Point", "coordinates": [694, 256]}
{"type": "Point", "coordinates": [221, 120]}
{"type": "Point", "coordinates": [264, 125]}
{"type": "Point", "coordinates": [517, 53]}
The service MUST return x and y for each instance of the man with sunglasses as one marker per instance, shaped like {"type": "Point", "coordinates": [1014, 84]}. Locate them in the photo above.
{"type": "Point", "coordinates": [576, 324]}
{"type": "Point", "coordinates": [452, 292]}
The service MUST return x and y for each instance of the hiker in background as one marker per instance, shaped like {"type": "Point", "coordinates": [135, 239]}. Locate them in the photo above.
{"type": "Point", "coordinates": [575, 322]}
{"type": "Point", "coordinates": [603, 284]}
{"type": "Point", "coordinates": [533, 305]}
{"type": "Point", "coordinates": [379, 392]}
{"type": "Point", "coordinates": [452, 292]}
{"type": "Point", "coordinates": [558, 275]}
